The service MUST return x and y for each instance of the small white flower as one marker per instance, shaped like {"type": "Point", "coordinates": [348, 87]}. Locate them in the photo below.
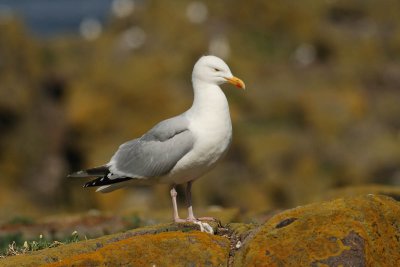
{"type": "Point", "coordinates": [26, 245]}
{"type": "Point", "coordinates": [74, 232]}
{"type": "Point", "coordinates": [41, 236]}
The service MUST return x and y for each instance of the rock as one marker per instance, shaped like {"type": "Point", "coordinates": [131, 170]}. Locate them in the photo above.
{"type": "Point", "coordinates": [161, 245]}
{"type": "Point", "coordinates": [162, 249]}
{"type": "Point", "coordinates": [359, 231]}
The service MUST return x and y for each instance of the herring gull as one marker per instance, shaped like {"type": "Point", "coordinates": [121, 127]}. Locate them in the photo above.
{"type": "Point", "coordinates": [180, 149]}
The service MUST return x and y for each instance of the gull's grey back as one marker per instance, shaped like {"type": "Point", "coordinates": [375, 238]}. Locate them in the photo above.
{"type": "Point", "coordinates": [156, 152]}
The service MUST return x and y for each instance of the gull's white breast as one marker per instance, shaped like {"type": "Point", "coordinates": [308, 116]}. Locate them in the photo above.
{"type": "Point", "coordinates": [211, 144]}
{"type": "Point", "coordinates": [212, 128]}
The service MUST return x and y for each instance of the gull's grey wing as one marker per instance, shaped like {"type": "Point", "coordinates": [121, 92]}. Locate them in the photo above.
{"type": "Point", "coordinates": [156, 152]}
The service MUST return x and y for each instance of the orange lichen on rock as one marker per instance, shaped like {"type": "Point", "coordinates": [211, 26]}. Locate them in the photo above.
{"type": "Point", "coordinates": [81, 249]}
{"type": "Point", "coordinates": [163, 249]}
{"type": "Point", "coordinates": [357, 231]}
{"type": "Point", "coordinates": [360, 231]}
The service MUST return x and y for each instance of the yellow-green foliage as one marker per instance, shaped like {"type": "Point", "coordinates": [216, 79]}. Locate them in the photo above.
{"type": "Point", "coordinates": [360, 231]}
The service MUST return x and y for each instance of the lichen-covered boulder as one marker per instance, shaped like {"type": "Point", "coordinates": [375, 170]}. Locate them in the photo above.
{"type": "Point", "coordinates": [359, 231]}
{"type": "Point", "coordinates": [159, 245]}
{"type": "Point", "coordinates": [163, 249]}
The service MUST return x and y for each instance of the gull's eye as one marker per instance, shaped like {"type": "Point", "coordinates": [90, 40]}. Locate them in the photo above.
{"type": "Point", "coordinates": [215, 69]}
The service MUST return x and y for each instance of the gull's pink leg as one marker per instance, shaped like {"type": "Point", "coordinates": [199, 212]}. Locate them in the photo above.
{"type": "Point", "coordinates": [175, 206]}
{"type": "Point", "coordinates": [190, 217]}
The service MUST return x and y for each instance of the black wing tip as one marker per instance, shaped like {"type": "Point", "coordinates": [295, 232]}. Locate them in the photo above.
{"type": "Point", "coordinates": [96, 182]}
{"type": "Point", "coordinates": [105, 181]}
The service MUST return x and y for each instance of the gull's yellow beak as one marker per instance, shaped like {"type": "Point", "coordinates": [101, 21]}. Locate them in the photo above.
{"type": "Point", "coordinates": [236, 82]}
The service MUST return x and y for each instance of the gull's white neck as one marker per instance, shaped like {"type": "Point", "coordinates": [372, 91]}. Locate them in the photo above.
{"type": "Point", "coordinates": [209, 100]}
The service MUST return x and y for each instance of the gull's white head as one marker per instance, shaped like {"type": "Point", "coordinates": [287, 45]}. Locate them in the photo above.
{"type": "Point", "coordinates": [211, 69]}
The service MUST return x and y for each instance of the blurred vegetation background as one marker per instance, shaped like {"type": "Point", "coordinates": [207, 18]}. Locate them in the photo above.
{"type": "Point", "coordinates": [321, 110]}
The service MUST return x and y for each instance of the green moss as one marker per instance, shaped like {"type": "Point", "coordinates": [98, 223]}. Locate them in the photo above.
{"type": "Point", "coordinates": [14, 244]}
{"type": "Point", "coordinates": [6, 240]}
